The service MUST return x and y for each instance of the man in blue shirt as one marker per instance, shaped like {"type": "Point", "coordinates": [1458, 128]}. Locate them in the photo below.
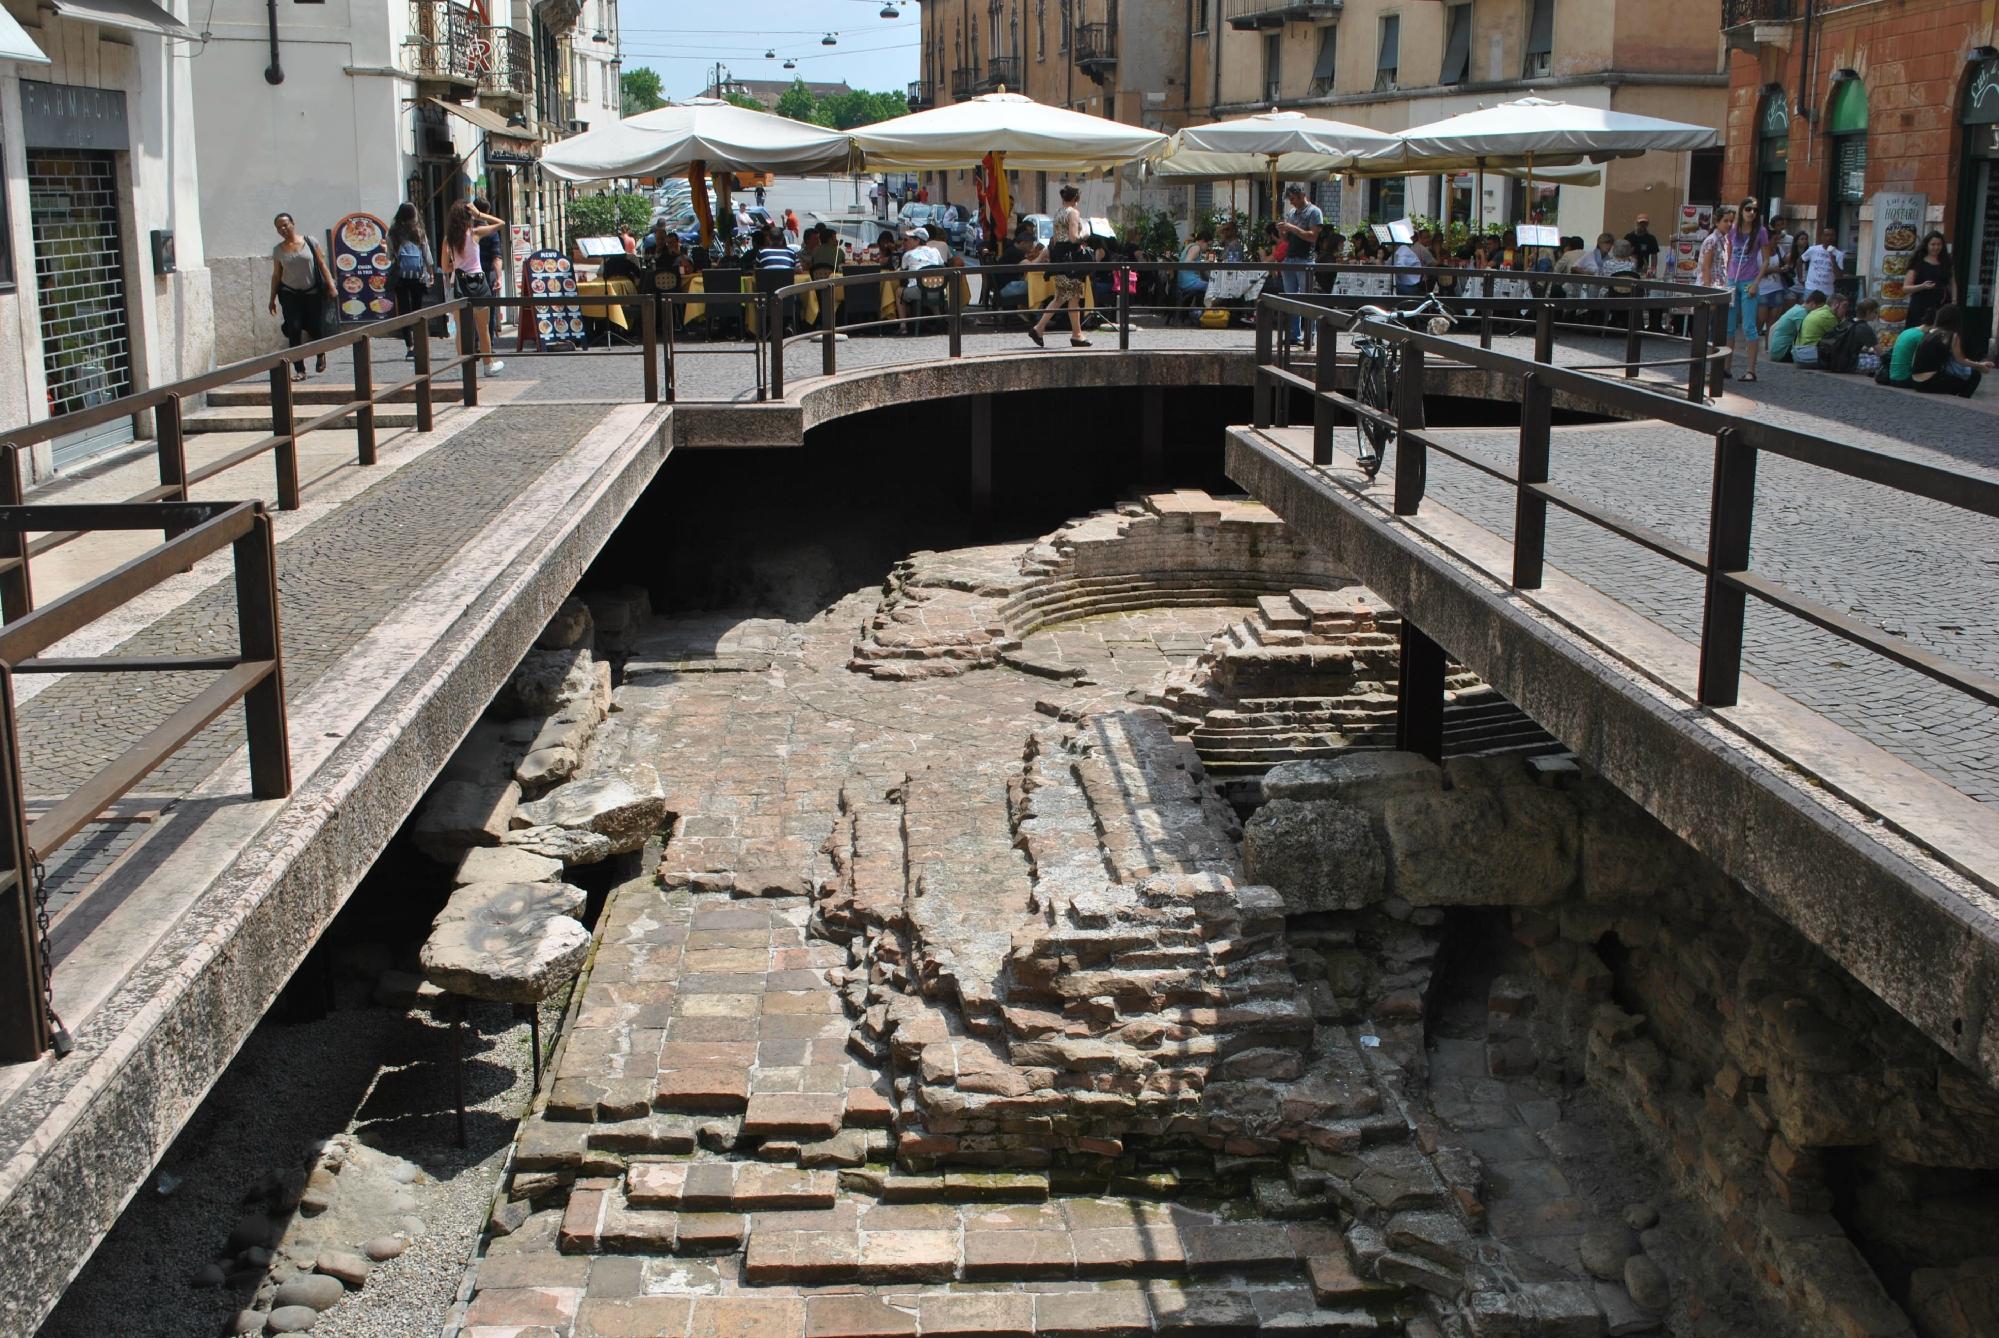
{"type": "Point", "coordinates": [1300, 231]}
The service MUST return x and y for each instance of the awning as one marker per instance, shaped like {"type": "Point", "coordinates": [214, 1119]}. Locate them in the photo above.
{"type": "Point", "coordinates": [140, 16]}
{"type": "Point", "coordinates": [489, 121]}
{"type": "Point", "coordinates": [15, 44]}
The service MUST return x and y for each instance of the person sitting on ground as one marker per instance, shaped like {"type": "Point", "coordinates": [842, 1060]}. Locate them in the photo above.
{"type": "Point", "coordinates": [1937, 370]}
{"type": "Point", "coordinates": [1784, 330]}
{"type": "Point", "coordinates": [1819, 322]}
{"type": "Point", "coordinates": [1850, 340]}
{"type": "Point", "coordinates": [1902, 354]}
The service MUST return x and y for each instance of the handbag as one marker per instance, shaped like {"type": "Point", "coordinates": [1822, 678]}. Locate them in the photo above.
{"type": "Point", "coordinates": [329, 314]}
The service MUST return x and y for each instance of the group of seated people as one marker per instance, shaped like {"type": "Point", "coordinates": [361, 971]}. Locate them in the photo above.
{"type": "Point", "coordinates": [1928, 357]}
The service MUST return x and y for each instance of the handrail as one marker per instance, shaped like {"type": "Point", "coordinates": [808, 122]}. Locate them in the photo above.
{"type": "Point", "coordinates": [253, 676]}
{"type": "Point", "coordinates": [1739, 440]}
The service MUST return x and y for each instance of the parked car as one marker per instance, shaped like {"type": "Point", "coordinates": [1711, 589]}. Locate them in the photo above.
{"type": "Point", "coordinates": [914, 216]}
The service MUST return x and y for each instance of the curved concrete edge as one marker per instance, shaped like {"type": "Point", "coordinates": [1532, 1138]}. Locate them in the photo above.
{"type": "Point", "coordinates": [814, 401]}
{"type": "Point", "coordinates": [82, 1135]}
{"type": "Point", "coordinates": [1921, 938]}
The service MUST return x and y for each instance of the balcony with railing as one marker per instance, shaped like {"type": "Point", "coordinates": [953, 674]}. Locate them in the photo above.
{"type": "Point", "coordinates": [508, 62]}
{"type": "Point", "coordinates": [445, 44]}
{"type": "Point", "coordinates": [1096, 49]}
{"type": "Point", "coordinates": [1276, 13]}
{"type": "Point", "coordinates": [964, 82]}
{"type": "Point", "coordinates": [920, 97]}
{"type": "Point", "coordinates": [1749, 24]}
{"type": "Point", "coordinates": [1001, 72]}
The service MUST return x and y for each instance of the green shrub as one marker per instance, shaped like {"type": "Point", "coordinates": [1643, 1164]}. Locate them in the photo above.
{"type": "Point", "coordinates": [600, 215]}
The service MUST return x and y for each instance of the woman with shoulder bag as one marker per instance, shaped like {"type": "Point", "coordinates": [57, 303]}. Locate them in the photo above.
{"type": "Point", "coordinates": [303, 286]}
{"type": "Point", "coordinates": [464, 226]}
{"type": "Point", "coordinates": [1065, 250]}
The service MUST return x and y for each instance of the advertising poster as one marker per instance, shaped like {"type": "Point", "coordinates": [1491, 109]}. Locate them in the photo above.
{"type": "Point", "coordinates": [520, 244]}
{"type": "Point", "coordinates": [1898, 228]}
{"type": "Point", "coordinates": [361, 262]}
{"type": "Point", "coordinates": [547, 274]}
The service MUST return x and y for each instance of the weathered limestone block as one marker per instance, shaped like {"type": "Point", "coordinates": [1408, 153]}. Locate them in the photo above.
{"type": "Point", "coordinates": [571, 626]}
{"type": "Point", "coordinates": [545, 767]}
{"type": "Point", "coordinates": [509, 942]}
{"type": "Point", "coordinates": [1498, 845]}
{"type": "Point", "coordinates": [505, 864]}
{"type": "Point", "coordinates": [626, 806]}
{"type": "Point", "coordinates": [548, 681]}
{"type": "Point", "coordinates": [461, 814]}
{"type": "Point", "coordinates": [1365, 777]}
{"type": "Point", "coordinates": [566, 844]}
{"type": "Point", "coordinates": [1960, 1302]}
{"type": "Point", "coordinates": [1320, 855]}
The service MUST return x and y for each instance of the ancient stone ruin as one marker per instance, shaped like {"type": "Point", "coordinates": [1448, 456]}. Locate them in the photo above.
{"type": "Point", "coordinates": [1050, 941]}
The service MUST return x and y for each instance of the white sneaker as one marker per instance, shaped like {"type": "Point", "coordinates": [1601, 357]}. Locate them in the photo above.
{"type": "Point", "coordinates": [494, 367]}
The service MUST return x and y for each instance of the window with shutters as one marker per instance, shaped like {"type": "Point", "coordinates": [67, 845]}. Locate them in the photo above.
{"type": "Point", "coordinates": [1457, 45]}
{"type": "Point", "coordinates": [1062, 33]}
{"type": "Point", "coordinates": [1041, 29]}
{"type": "Point", "coordinates": [1273, 67]}
{"type": "Point", "coordinates": [1389, 54]}
{"type": "Point", "coordinates": [1540, 40]}
{"type": "Point", "coordinates": [1200, 17]}
{"type": "Point", "coordinates": [1322, 68]}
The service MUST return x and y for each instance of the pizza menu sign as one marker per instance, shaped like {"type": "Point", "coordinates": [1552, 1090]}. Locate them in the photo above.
{"type": "Point", "coordinates": [361, 263]}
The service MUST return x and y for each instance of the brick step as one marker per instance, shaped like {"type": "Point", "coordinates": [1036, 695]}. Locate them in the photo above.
{"type": "Point", "coordinates": [1020, 1313]}
{"type": "Point", "coordinates": [1283, 611]}
{"type": "Point", "coordinates": [247, 418]}
{"type": "Point", "coordinates": [727, 1186]}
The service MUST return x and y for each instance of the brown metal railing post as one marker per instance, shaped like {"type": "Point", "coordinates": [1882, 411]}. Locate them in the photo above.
{"type": "Point", "coordinates": [1322, 381]}
{"type": "Point", "coordinates": [1544, 332]}
{"type": "Point", "coordinates": [773, 316]}
{"type": "Point", "coordinates": [257, 634]}
{"type": "Point", "coordinates": [649, 346]}
{"type": "Point", "coordinates": [1634, 335]}
{"type": "Point", "coordinates": [1530, 510]}
{"type": "Point", "coordinates": [829, 314]}
{"type": "Point", "coordinates": [1280, 390]}
{"type": "Point", "coordinates": [364, 391]}
{"type": "Point", "coordinates": [17, 591]}
{"type": "Point", "coordinates": [954, 318]}
{"type": "Point", "coordinates": [1697, 330]}
{"type": "Point", "coordinates": [24, 1018]}
{"type": "Point", "coordinates": [1730, 514]}
{"type": "Point", "coordinates": [284, 426]}
{"type": "Point", "coordinates": [666, 348]}
{"type": "Point", "coordinates": [1123, 311]}
{"type": "Point", "coordinates": [1259, 411]}
{"type": "Point", "coordinates": [426, 418]}
{"type": "Point", "coordinates": [171, 446]}
{"type": "Point", "coordinates": [1412, 457]}
{"type": "Point", "coordinates": [1485, 318]}
{"type": "Point", "coordinates": [468, 348]}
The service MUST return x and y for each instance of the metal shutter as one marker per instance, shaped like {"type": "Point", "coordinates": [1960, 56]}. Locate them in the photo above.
{"type": "Point", "coordinates": [80, 281]}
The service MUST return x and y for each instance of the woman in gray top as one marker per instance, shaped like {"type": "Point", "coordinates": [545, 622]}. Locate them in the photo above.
{"type": "Point", "coordinates": [302, 284]}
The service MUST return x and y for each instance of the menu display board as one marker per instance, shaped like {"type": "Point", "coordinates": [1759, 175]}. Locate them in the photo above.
{"type": "Point", "coordinates": [557, 323]}
{"type": "Point", "coordinates": [1898, 230]}
{"type": "Point", "coordinates": [1680, 254]}
{"type": "Point", "coordinates": [361, 264]}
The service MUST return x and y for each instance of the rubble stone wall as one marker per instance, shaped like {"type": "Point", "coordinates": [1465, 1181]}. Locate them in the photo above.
{"type": "Point", "coordinates": [1854, 1163]}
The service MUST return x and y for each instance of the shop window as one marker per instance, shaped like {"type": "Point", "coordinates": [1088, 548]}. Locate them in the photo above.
{"type": "Point", "coordinates": [1773, 151]}
{"type": "Point", "coordinates": [1457, 45]}
{"type": "Point", "coordinates": [1385, 198]}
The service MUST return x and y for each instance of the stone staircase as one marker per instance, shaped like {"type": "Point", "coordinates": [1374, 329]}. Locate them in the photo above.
{"type": "Point", "coordinates": [246, 407]}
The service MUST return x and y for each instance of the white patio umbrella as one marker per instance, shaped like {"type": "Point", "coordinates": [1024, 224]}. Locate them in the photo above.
{"type": "Point", "coordinates": [1289, 144]}
{"type": "Point", "coordinates": [1515, 134]}
{"type": "Point", "coordinates": [1026, 135]}
{"type": "Point", "coordinates": [699, 136]}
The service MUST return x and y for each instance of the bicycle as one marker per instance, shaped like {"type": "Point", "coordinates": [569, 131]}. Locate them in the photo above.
{"type": "Point", "coordinates": [1378, 364]}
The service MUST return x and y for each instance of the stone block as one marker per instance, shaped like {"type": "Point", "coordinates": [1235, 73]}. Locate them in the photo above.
{"type": "Point", "coordinates": [1039, 1255]}
{"type": "Point", "coordinates": [856, 1317]}
{"type": "Point", "coordinates": [974, 1314]}
{"type": "Point", "coordinates": [1320, 855]}
{"type": "Point", "coordinates": [625, 806]}
{"type": "Point", "coordinates": [1359, 776]}
{"type": "Point", "coordinates": [1091, 1314]}
{"type": "Point", "coordinates": [509, 942]}
{"type": "Point", "coordinates": [807, 1115]}
{"type": "Point", "coordinates": [1504, 845]}
{"type": "Point", "coordinates": [703, 1089]}
{"type": "Point", "coordinates": [504, 864]}
{"type": "Point", "coordinates": [460, 814]}
{"type": "Point", "coordinates": [546, 681]}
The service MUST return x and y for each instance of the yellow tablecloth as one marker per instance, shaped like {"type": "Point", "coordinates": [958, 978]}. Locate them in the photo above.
{"type": "Point", "coordinates": [1041, 287]}
{"type": "Point", "coordinates": [611, 311]}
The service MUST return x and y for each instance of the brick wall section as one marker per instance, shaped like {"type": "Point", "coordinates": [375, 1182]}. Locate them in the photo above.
{"type": "Point", "coordinates": [1911, 55]}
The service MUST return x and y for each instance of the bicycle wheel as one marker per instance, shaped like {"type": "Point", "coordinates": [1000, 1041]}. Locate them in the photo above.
{"type": "Point", "coordinates": [1372, 435]}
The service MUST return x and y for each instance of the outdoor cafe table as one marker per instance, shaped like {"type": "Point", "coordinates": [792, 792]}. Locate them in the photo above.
{"type": "Point", "coordinates": [613, 312]}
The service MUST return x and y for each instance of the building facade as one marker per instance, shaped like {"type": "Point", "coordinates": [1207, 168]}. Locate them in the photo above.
{"type": "Point", "coordinates": [1838, 108]}
{"type": "Point", "coordinates": [102, 286]}
{"type": "Point", "coordinates": [596, 68]}
{"type": "Point", "coordinates": [1386, 64]}
{"type": "Point", "coordinates": [344, 105]}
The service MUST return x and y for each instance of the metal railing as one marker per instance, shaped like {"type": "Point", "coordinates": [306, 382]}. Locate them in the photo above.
{"type": "Point", "coordinates": [964, 82]}
{"type": "Point", "coordinates": [920, 96]}
{"type": "Point", "coordinates": [507, 64]}
{"type": "Point", "coordinates": [1001, 72]}
{"type": "Point", "coordinates": [445, 42]}
{"type": "Point", "coordinates": [254, 676]}
{"type": "Point", "coordinates": [1734, 13]}
{"type": "Point", "coordinates": [1096, 44]}
{"type": "Point", "coordinates": [1739, 440]}
{"type": "Point", "coordinates": [1276, 13]}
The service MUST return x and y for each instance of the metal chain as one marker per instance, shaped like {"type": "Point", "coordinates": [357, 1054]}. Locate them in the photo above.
{"type": "Point", "coordinates": [61, 1040]}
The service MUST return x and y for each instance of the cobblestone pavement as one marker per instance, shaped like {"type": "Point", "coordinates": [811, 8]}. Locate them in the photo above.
{"type": "Point", "coordinates": [336, 580]}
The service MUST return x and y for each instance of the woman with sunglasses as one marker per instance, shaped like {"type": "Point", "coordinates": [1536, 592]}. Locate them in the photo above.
{"type": "Point", "coordinates": [1746, 256]}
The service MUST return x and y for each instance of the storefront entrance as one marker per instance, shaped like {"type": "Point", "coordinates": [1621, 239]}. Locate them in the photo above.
{"type": "Point", "coordinates": [1846, 123]}
{"type": "Point", "coordinates": [1977, 249]}
{"type": "Point", "coordinates": [79, 246]}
